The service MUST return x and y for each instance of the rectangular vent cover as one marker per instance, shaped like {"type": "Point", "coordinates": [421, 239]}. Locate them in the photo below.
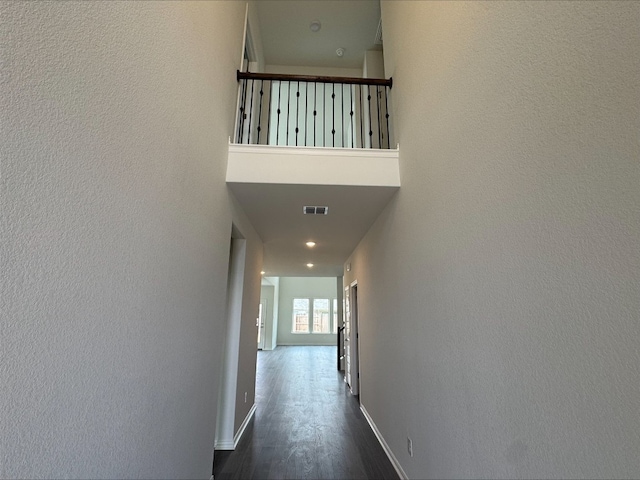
{"type": "Point", "coordinates": [315, 210]}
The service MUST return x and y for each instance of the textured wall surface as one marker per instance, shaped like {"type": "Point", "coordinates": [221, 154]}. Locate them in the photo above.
{"type": "Point", "coordinates": [247, 351]}
{"type": "Point", "coordinates": [500, 289]}
{"type": "Point", "coordinates": [115, 225]}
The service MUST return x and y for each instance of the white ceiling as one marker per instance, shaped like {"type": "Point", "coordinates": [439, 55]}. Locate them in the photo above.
{"type": "Point", "coordinates": [276, 210]}
{"type": "Point", "coordinates": [288, 40]}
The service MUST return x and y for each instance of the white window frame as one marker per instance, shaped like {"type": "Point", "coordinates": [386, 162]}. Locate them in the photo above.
{"type": "Point", "coordinates": [333, 320]}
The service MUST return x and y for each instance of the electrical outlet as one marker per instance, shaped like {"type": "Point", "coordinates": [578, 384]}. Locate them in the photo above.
{"type": "Point", "coordinates": [245, 397]}
{"type": "Point", "coordinates": [410, 446]}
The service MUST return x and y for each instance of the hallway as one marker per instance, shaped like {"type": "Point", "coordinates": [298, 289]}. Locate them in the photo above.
{"type": "Point", "coordinates": [306, 425]}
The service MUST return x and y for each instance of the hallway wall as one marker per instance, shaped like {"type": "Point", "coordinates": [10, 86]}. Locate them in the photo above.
{"type": "Point", "coordinates": [499, 306]}
{"type": "Point", "coordinates": [115, 227]}
{"type": "Point", "coordinates": [303, 287]}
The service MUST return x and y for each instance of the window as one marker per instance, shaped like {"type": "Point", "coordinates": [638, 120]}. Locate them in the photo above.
{"type": "Point", "coordinates": [336, 320]}
{"type": "Point", "coordinates": [300, 315]}
{"type": "Point", "coordinates": [321, 318]}
{"type": "Point", "coordinates": [318, 315]}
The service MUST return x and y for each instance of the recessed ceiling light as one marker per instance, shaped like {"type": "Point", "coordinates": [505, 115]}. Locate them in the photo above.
{"type": "Point", "coordinates": [310, 265]}
{"type": "Point", "coordinates": [315, 26]}
{"type": "Point", "coordinates": [340, 52]}
{"type": "Point", "coordinates": [311, 244]}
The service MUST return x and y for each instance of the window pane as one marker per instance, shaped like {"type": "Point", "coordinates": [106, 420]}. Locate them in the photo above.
{"type": "Point", "coordinates": [300, 315]}
{"type": "Point", "coordinates": [335, 315]}
{"type": "Point", "coordinates": [321, 316]}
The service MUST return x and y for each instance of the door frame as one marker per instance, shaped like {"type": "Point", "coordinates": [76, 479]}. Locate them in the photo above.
{"type": "Point", "coordinates": [262, 318]}
{"type": "Point", "coordinates": [354, 340]}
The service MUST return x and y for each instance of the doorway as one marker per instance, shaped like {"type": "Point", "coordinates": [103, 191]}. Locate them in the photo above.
{"type": "Point", "coordinates": [351, 341]}
{"type": "Point", "coordinates": [224, 438]}
{"type": "Point", "coordinates": [262, 313]}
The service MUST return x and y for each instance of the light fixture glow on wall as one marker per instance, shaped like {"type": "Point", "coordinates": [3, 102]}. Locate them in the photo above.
{"type": "Point", "coordinates": [310, 265]}
{"type": "Point", "coordinates": [310, 244]}
{"type": "Point", "coordinates": [262, 272]}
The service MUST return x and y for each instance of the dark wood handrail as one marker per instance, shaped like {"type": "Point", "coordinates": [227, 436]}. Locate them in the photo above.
{"type": "Point", "coordinates": [314, 78]}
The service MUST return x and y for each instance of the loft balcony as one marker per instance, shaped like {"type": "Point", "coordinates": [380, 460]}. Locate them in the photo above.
{"type": "Point", "coordinates": [299, 129]}
{"type": "Point", "coordinates": [313, 111]}
{"type": "Point", "coordinates": [305, 141]}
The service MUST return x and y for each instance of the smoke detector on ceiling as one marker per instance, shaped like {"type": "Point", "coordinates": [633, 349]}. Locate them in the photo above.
{"type": "Point", "coordinates": [340, 52]}
{"type": "Point", "coordinates": [315, 26]}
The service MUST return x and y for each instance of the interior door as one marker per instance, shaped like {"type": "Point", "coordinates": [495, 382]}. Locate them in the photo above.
{"type": "Point", "coordinates": [347, 337]}
{"type": "Point", "coordinates": [262, 310]}
{"type": "Point", "coordinates": [353, 340]}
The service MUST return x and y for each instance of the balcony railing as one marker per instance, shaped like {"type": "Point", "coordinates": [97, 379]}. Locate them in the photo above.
{"type": "Point", "coordinates": [313, 111]}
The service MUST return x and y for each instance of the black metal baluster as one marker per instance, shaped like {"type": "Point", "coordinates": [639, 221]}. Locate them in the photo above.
{"type": "Point", "coordinates": [333, 114]}
{"type": "Point", "coordinates": [379, 117]}
{"type": "Point", "coordinates": [253, 82]}
{"type": "Point", "coordinates": [260, 110]}
{"type": "Point", "coordinates": [278, 125]}
{"type": "Point", "coordinates": [386, 111]}
{"type": "Point", "coordinates": [288, 110]}
{"type": "Point", "coordinates": [342, 101]}
{"type": "Point", "coordinates": [361, 119]}
{"type": "Point", "coordinates": [324, 115]}
{"type": "Point", "coordinates": [269, 114]}
{"type": "Point", "coordinates": [297, 110]}
{"type": "Point", "coordinates": [306, 112]}
{"type": "Point", "coordinates": [351, 128]}
{"type": "Point", "coordinates": [241, 114]}
{"type": "Point", "coordinates": [370, 127]}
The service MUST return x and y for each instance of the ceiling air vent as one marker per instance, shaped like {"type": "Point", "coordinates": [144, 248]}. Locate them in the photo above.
{"type": "Point", "coordinates": [315, 210]}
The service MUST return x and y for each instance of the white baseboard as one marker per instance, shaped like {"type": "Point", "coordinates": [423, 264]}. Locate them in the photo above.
{"type": "Point", "coordinates": [232, 444]}
{"type": "Point", "coordinates": [224, 445]}
{"type": "Point", "coordinates": [387, 450]}
{"type": "Point", "coordinates": [243, 427]}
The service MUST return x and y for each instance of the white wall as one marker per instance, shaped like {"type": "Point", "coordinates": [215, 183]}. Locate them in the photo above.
{"type": "Point", "coordinates": [373, 64]}
{"type": "Point", "coordinates": [115, 227]}
{"type": "Point", "coordinates": [303, 287]}
{"type": "Point", "coordinates": [499, 305]}
{"type": "Point", "coordinates": [247, 351]}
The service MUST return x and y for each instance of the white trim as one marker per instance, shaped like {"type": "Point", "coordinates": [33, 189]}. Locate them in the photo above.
{"type": "Point", "coordinates": [243, 427]}
{"type": "Point", "coordinates": [392, 458]}
{"type": "Point", "coordinates": [313, 151]}
{"type": "Point", "coordinates": [226, 445]}
{"type": "Point", "coordinates": [232, 444]}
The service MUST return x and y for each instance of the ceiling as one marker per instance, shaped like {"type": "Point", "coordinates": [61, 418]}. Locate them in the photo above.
{"type": "Point", "coordinates": [288, 40]}
{"type": "Point", "coordinates": [275, 210]}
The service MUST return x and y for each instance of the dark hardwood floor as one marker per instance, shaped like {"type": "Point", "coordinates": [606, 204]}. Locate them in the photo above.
{"type": "Point", "coordinates": [306, 425]}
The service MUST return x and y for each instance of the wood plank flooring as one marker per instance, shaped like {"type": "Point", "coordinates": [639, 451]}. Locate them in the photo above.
{"type": "Point", "coordinates": [307, 424]}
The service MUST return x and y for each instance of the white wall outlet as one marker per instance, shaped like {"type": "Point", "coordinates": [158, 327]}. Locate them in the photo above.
{"type": "Point", "coordinates": [245, 397]}
{"type": "Point", "coordinates": [410, 446]}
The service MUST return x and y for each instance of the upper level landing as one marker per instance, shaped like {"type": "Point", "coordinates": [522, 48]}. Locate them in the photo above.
{"type": "Point", "coordinates": [312, 142]}
{"type": "Point", "coordinates": [313, 166]}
